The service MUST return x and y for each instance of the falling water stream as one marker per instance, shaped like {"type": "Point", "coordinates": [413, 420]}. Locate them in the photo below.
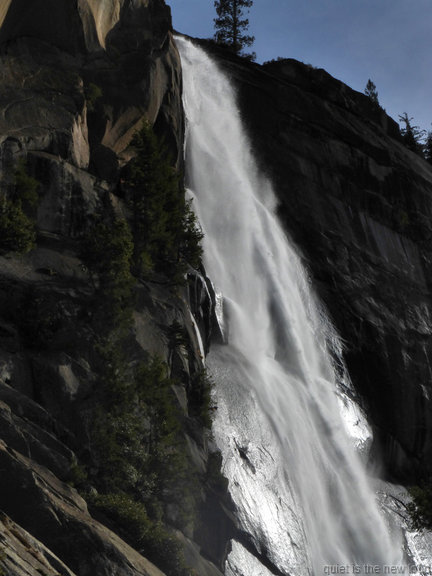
{"type": "Point", "coordinates": [300, 487]}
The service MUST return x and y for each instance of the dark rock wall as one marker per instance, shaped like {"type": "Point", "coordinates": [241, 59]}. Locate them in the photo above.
{"type": "Point", "coordinates": [78, 78]}
{"type": "Point", "coordinates": [358, 204]}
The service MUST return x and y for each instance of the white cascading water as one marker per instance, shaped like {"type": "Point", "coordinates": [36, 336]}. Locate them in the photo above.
{"type": "Point", "coordinates": [300, 487]}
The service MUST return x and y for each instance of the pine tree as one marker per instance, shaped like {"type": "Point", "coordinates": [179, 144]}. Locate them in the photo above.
{"type": "Point", "coordinates": [428, 148]}
{"type": "Point", "coordinates": [411, 135]}
{"type": "Point", "coordinates": [165, 230]}
{"type": "Point", "coordinates": [372, 92]}
{"type": "Point", "coordinates": [231, 25]}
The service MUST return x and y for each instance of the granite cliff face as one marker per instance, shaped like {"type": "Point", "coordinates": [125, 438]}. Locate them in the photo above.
{"type": "Point", "coordinates": [358, 204]}
{"type": "Point", "coordinates": [77, 81]}
{"type": "Point", "coordinates": [79, 78]}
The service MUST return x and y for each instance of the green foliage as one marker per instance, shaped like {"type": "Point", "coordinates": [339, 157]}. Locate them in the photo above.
{"type": "Point", "coordinates": [275, 60]}
{"type": "Point", "coordinates": [154, 389]}
{"type": "Point", "coordinates": [77, 475]}
{"type": "Point", "coordinates": [371, 92]}
{"type": "Point", "coordinates": [138, 459]}
{"type": "Point", "coordinates": [150, 538]}
{"type": "Point", "coordinates": [190, 249]}
{"type": "Point", "coordinates": [200, 398]}
{"type": "Point", "coordinates": [93, 94]}
{"type": "Point", "coordinates": [165, 231]}
{"type": "Point", "coordinates": [17, 231]}
{"type": "Point", "coordinates": [118, 447]}
{"type": "Point", "coordinates": [119, 429]}
{"type": "Point", "coordinates": [175, 481]}
{"type": "Point", "coordinates": [411, 135]}
{"type": "Point", "coordinates": [428, 148]}
{"type": "Point", "coordinates": [420, 509]}
{"type": "Point", "coordinates": [18, 212]}
{"type": "Point", "coordinates": [107, 251]}
{"type": "Point", "coordinates": [156, 204]}
{"type": "Point", "coordinates": [26, 188]}
{"type": "Point", "coordinates": [231, 25]}
{"type": "Point", "coordinates": [177, 336]}
{"type": "Point", "coordinates": [129, 513]}
{"type": "Point", "coordinates": [138, 453]}
{"type": "Point", "coordinates": [137, 445]}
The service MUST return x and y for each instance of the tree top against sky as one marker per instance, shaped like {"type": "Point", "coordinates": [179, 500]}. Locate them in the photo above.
{"type": "Point", "coordinates": [231, 25]}
{"type": "Point", "coordinates": [388, 41]}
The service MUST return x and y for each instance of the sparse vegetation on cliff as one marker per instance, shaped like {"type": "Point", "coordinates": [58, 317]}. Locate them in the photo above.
{"type": "Point", "coordinates": [26, 188]}
{"type": "Point", "coordinates": [428, 148]}
{"type": "Point", "coordinates": [411, 134]}
{"type": "Point", "coordinates": [145, 535]}
{"type": "Point", "coordinates": [18, 212]}
{"type": "Point", "coordinates": [107, 251]}
{"type": "Point", "coordinates": [372, 92]}
{"type": "Point", "coordinates": [201, 403]}
{"type": "Point", "coordinates": [138, 459]}
{"type": "Point", "coordinates": [420, 509]}
{"type": "Point", "coordinates": [17, 232]}
{"type": "Point", "coordinates": [166, 234]}
{"type": "Point", "coordinates": [93, 94]}
{"type": "Point", "coordinates": [139, 462]}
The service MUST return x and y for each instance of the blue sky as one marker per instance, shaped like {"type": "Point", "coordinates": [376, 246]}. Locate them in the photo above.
{"type": "Point", "coordinates": [389, 41]}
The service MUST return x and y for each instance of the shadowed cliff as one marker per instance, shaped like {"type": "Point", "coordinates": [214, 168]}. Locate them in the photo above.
{"type": "Point", "coordinates": [102, 384]}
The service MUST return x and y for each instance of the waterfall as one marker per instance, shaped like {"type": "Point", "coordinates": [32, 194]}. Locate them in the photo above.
{"type": "Point", "coordinates": [301, 490]}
